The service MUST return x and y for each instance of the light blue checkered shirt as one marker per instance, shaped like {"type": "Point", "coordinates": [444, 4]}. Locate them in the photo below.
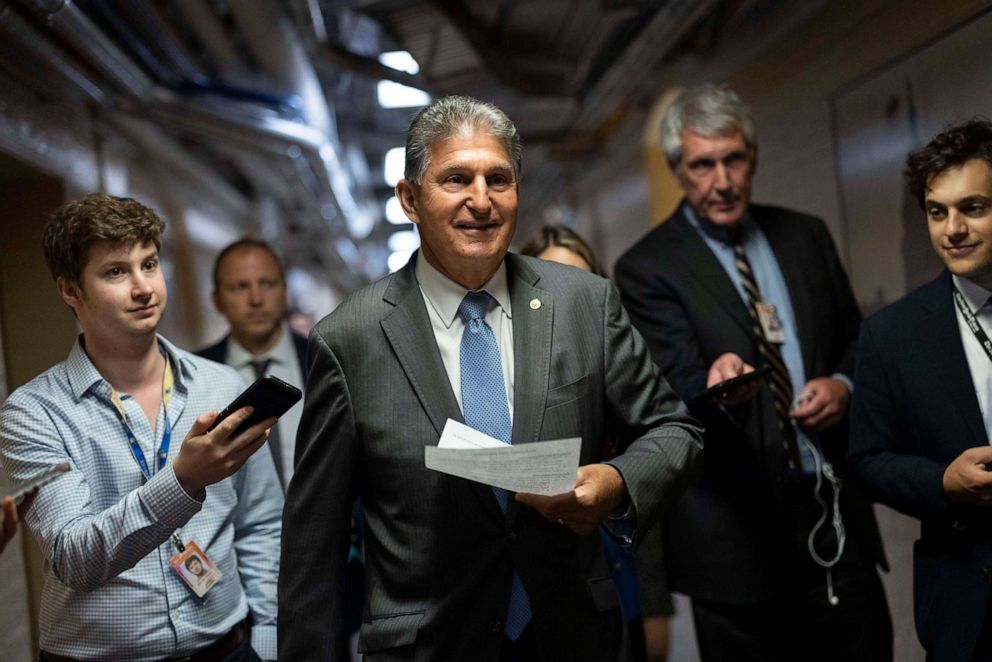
{"type": "Point", "coordinates": [109, 592]}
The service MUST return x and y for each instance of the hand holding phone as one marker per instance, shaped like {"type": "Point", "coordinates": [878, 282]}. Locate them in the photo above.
{"type": "Point", "coordinates": [219, 444]}
{"type": "Point", "coordinates": [728, 385]}
{"type": "Point", "coordinates": [268, 397]}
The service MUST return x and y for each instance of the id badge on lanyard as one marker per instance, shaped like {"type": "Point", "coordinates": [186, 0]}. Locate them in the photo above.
{"type": "Point", "coordinates": [191, 563]}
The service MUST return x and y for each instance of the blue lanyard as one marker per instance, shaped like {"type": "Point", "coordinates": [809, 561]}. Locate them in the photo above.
{"type": "Point", "coordinates": [163, 450]}
{"type": "Point", "coordinates": [139, 455]}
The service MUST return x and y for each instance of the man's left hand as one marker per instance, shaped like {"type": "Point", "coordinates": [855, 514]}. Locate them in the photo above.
{"type": "Point", "coordinates": [599, 490]}
{"type": "Point", "coordinates": [822, 404]}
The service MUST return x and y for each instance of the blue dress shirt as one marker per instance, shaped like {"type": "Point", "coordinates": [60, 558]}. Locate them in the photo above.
{"type": "Point", "coordinates": [105, 531]}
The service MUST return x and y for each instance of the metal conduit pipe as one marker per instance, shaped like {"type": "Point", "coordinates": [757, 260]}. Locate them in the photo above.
{"type": "Point", "coordinates": [266, 132]}
{"type": "Point", "coordinates": [274, 45]}
{"type": "Point", "coordinates": [152, 139]}
{"type": "Point", "coordinates": [279, 51]}
{"type": "Point", "coordinates": [211, 34]}
{"type": "Point", "coordinates": [71, 24]}
{"type": "Point", "coordinates": [20, 31]}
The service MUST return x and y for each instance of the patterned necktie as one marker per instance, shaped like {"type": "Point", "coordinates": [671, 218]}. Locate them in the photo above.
{"type": "Point", "coordinates": [275, 445]}
{"type": "Point", "coordinates": [485, 408]}
{"type": "Point", "coordinates": [779, 383]}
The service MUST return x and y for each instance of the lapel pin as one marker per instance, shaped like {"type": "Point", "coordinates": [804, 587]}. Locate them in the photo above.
{"type": "Point", "coordinates": [535, 304]}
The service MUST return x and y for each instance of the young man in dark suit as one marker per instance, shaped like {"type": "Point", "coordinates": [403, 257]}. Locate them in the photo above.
{"type": "Point", "coordinates": [720, 287]}
{"type": "Point", "coordinates": [921, 415]}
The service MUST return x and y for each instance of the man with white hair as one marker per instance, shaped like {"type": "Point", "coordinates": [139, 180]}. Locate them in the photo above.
{"type": "Point", "coordinates": [780, 562]}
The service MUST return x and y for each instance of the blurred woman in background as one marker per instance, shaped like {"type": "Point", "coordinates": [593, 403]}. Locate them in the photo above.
{"type": "Point", "coordinates": [641, 581]}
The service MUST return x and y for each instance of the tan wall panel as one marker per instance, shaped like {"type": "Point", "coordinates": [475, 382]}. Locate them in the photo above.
{"type": "Point", "coordinates": [38, 329]}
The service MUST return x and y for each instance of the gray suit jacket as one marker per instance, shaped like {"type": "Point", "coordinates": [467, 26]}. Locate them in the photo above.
{"type": "Point", "coordinates": [439, 551]}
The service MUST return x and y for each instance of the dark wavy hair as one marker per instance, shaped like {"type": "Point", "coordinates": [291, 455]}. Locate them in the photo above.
{"type": "Point", "coordinates": [953, 147]}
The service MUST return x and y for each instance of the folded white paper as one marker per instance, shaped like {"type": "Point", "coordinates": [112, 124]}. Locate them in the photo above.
{"type": "Point", "coordinates": [545, 467]}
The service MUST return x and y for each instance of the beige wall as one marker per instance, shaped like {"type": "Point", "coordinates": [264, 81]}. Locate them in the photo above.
{"type": "Point", "coordinates": [37, 332]}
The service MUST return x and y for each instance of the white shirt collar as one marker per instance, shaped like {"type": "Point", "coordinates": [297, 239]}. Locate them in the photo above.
{"type": "Point", "coordinates": [976, 295]}
{"type": "Point", "coordinates": [239, 357]}
{"type": "Point", "coordinates": [445, 295]}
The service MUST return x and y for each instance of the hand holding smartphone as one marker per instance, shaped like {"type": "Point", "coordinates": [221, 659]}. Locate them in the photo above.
{"type": "Point", "coordinates": [269, 397]}
{"type": "Point", "coordinates": [729, 385]}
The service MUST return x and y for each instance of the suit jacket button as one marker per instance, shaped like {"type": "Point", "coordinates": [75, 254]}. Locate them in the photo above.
{"type": "Point", "coordinates": [512, 536]}
{"type": "Point", "coordinates": [986, 574]}
{"type": "Point", "coordinates": [496, 626]}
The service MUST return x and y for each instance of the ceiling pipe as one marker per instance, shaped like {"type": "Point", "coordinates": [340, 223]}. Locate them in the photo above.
{"type": "Point", "coordinates": [179, 161]}
{"type": "Point", "coordinates": [236, 125]}
{"type": "Point", "coordinates": [72, 25]}
{"type": "Point", "coordinates": [212, 35]}
{"type": "Point", "coordinates": [19, 31]}
{"type": "Point", "coordinates": [280, 51]}
{"type": "Point", "coordinates": [662, 33]}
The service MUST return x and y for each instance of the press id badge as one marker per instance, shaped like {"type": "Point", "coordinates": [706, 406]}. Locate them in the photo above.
{"type": "Point", "coordinates": [196, 569]}
{"type": "Point", "coordinates": [771, 325]}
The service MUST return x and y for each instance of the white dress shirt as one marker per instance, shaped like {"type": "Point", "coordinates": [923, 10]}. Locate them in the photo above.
{"type": "Point", "coordinates": [979, 363]}
{"type": "Point", "coordinates": [442, 297]}
{"type": "Point", "coordinates": [284, 363]}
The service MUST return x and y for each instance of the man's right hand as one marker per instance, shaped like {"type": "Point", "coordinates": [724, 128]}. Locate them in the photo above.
{"type": "Point", "coordinates": [206, 458]}
{"type": "Point", "coordinates": [966, 479]}
{"type": "Point", "coordinates": [727, 366]}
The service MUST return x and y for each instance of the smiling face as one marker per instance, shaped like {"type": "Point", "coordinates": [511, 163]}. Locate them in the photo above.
{"type": "Point", "coordinates": [958, 204]}
{"type": "Point", "coordinates": [715, 173]}
{"type": "Point", "coordinates": [121, 293]}
{"type": "Point", "coordinates": [466, 207]}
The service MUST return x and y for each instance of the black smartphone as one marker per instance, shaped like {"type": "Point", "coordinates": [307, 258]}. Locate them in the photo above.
{"type": "Point", "coordinates": [269, 396]}
{"type": "Point", "coordinates": [728, 385]}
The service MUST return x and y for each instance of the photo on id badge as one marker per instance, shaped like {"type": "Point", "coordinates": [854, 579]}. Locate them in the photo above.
{"type": "Point", "coordinates": [195, 569]}
{"type": "Point", "coordinates": [771, 325]}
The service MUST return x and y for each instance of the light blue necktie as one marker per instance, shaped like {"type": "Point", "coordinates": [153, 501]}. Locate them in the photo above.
{"type": "Point", "coordinates": [485, 409]}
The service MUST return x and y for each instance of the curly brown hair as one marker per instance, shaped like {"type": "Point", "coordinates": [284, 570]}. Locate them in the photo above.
{"type": "Point", "coordinates": [76, 226]}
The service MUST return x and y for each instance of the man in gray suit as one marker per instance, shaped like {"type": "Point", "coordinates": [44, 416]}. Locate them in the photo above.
{"type": "Point", "coordinates": [522, 349]}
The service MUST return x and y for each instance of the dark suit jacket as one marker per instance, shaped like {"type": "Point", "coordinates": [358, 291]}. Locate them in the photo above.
{"type": "Point", "coordinates": [439, 551]}
{"type": "Point", "coordinates": [914, 411]}
{"type": "Point", "coordinates": [218, 351]}
{"type": "Point", "coordinates": [725, 537]}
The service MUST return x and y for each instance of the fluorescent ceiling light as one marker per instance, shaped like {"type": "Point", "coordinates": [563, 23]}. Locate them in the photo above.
{"type": "Point", "coordinates": [394, 95]}
{"type": "Point", "coordinates": [394, 212]}
{"type": "Point", "coordinates": [400, 61]}
{"type": "Point", "coordinates": [397, 260]}
{"type": "Point", "coordinates": [404, 240]}
{"type": "Point", "coordinates": [393, 164]}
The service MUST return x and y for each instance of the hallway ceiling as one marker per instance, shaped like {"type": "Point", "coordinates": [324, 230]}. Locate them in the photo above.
{"type": "Point", "coordinates": [279, 98]}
